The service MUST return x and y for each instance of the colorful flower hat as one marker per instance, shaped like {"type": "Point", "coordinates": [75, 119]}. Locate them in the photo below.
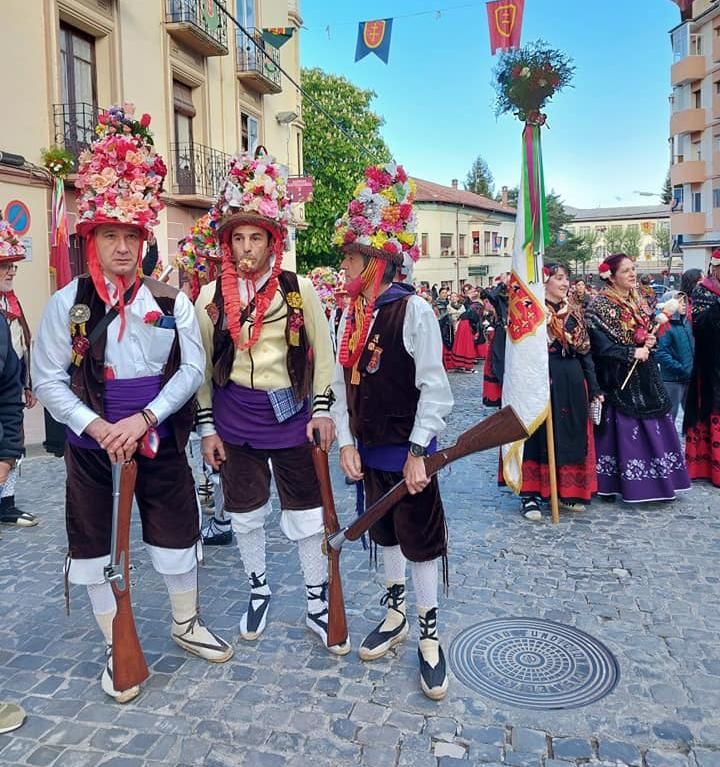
{"type": "Point", "coordinates": [120, 177]}
{"type": "Point", "coordinates": [254, 192]}
{"type": "Point", "coordinates": [325, 281]}
{"type": "Point", "coordinates": [380, 220]}
{"type": "Point", "coordinates": [200, 248]}
{"type": "Point", "coordinates": [715, 258]}
{"type": "Point", "coordinates": [11, 247]}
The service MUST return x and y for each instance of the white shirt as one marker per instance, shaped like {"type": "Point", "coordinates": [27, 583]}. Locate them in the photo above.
{"type": "Point", "coordinates": [422, 341]}
{"type": "Point", "coordinates": [143, 351]}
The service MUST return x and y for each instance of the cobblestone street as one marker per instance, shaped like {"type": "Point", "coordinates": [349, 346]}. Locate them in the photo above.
{"type": "Point", "coordinates": [644, 581]}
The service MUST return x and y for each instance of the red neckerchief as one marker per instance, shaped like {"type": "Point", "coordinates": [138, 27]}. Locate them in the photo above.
{"type": "Point", "coordinates": [711, 284]}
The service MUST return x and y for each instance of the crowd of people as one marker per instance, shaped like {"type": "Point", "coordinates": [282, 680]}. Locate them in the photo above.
{"type": "Point", "coordinates": [261, 363]}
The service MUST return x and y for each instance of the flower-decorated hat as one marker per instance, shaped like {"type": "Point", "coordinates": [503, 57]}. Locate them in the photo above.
{"type": "Point", "coordinates": [325, 281]}
{"type": "Point", "coordinates": [11, 247]}
{"type": "Point", "coordinates": [199, 247]}
{"type": "Point", "coordinates": [380, 220]}
{"type": "Point", "coordinates": [121, 176]}
{"type": "Point", "coordinates": [254, 192]}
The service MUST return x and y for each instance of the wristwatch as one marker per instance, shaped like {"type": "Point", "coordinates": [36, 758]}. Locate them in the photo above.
{"type": "Point", "coordinates": [418, 451]}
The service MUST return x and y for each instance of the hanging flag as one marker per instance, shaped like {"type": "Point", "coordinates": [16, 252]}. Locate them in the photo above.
{"type": "Point", "coordinates": [526, 383]}
{"type": "Point", "coordinates": [59, 238]}
{"type": "Point", "coordinates": [684, 5]}
{"type": "Point", "coordinates": [277, 36]}
{"type": "Point", "coordinates": [374, 37]}
{"type": "Point", "coordinates": [505, 23]}
{"type": "Point", "coordinates": [210, 15]}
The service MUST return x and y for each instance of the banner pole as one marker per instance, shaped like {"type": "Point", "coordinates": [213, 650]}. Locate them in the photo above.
{"type": "Point", "coordinates": [552, 469]}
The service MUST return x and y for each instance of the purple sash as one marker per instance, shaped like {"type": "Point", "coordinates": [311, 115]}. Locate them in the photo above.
{"type": "Point", "coordinates": [245, 417]}
{"type": "Point", "coordinates": [389, 457]}
{"type": "Point", "coordinates": [122, 398]}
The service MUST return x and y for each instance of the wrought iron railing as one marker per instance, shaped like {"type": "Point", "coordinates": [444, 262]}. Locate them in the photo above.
{"type": "Point", "coordinates": [192, 12]}
{"type": "Point", "coordinates": [255, 55]}
{"type": "Point", "coordinates": [75, 126]}
{"type": "Point", "coordinates": [197, 169]}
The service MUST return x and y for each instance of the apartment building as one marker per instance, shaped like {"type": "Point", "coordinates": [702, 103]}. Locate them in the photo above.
{"type": "Point", "coordinates": [211, 89]}
{"type": "Point", "coordinates": [641, 231]}
{"type": "Point", "coordinates": [695, 132]}
{"type": "Point", "coordinates": [463, 237]}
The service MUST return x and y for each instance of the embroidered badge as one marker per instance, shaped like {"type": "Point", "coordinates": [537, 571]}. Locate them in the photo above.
{"type": "Point", "coordinates": [296, 319]}
{"type": "Point", "coordinates": [79, 314]}
{"type": "Point", "coordinates": [374, 364]}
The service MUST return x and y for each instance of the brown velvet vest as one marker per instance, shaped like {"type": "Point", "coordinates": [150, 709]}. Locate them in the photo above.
{"type": "Point", "coordinates": [299, 363]}
{"type": "Point", "coordinates": [382, 406]}
{"type": "Point", "coordinates": [88, 381]}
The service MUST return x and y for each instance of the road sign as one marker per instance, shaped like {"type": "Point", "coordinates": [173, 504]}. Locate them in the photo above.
{"type": "Point", "coordinates": [17, 214]}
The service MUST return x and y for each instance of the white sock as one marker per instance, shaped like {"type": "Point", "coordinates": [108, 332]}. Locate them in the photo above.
{"type": "Point", "coordinates": [177, 584]}
{"type": "Point", "coordinates": [251, 545]}
{"type": "Point", "coordinates": [394, 564]}
{"type": "Point", "coordinates": [425, 583]}
{"type": "Point", "coordinates": [312, 560]}
{"type": "Point", "coordinates": [104, 607]}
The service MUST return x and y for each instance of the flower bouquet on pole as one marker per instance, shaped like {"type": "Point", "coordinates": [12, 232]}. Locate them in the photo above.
{"type": "Point", "coordinates": [525, 80]}
{"type": "Point", "coordinates": [199, 255]}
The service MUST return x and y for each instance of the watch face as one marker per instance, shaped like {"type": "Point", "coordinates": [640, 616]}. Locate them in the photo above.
{"type": "Point", "coordinates": [417, 450]}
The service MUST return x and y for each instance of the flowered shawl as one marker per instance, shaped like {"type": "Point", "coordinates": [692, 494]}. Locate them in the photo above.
{"type": "Point", "coordinates": [619, 317]}
{"type": "Point", "coordinates": [566, 327]}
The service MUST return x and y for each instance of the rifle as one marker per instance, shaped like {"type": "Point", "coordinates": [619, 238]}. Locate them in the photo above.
{"type": "Point", "coordinates": [337, 621]}
{"type": "Point", "coordinates": [498, 429]}
{"type": "Point", "coordinates": [129, 667]}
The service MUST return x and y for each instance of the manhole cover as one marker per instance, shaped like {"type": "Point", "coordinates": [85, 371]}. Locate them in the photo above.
{"type": "Point", "coordinates": [533, 663]}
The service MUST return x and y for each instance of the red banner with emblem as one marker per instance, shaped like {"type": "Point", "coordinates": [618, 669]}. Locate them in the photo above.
{"type": "Point", "coordinates": [505, 24]}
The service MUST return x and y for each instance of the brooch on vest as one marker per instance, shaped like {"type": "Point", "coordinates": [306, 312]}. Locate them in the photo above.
{"type": "Point", "coordinates": [296, 319]}
{"type": "Point", "coordinates": [79, 315]}
{"type": "Point", "coordinates": [374, 364]}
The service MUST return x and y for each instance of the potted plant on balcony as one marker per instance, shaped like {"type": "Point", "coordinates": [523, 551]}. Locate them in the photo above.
{"type": "Point", "coordinates": [58, 160]}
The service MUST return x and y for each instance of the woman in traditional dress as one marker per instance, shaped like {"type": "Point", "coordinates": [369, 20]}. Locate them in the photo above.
{"type": "Point", "coordinates": [572, 385]}
{"type": "Point", "coordinates": [496, 303]}
{"type": "Point", "coordinates": [464, 348]}
{"type": "Point", "coordinates": [702, 406]}
{"type": "Point", "coordinates": [639, 457]}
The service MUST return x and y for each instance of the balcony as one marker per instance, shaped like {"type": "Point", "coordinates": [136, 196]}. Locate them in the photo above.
{"type": "Point", "coordinates": [716, 47]}
{"type": "Point", "coordinates": [257, 63]}
{"type": "Point", "coordinates": [691, 172]}
{"type": "Point", "coordinates": [192, 24]}
{"type": "Point", "coordinates": [687, 121]}
{"type": "Point", "coordinates": [75, 126]}
{"type": "Point", "coordinates": [198, 171]}
{"type": "Point", "coordinates": [687, 70]}
{"type": "Point", "coordinates": [687, 223]}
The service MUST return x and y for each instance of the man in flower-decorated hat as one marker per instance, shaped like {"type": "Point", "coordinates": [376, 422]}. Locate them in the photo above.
{"type": "Point", "coordinates": [392, 395]}
{"type": "Point", "coordinates": [267, 385]}
{"type": "Point", "coordinates": [12, 252]}
{"type": "Point", "coordinates": [118, 359]}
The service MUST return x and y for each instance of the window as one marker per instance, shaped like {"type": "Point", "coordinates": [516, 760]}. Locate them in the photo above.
{"type": "Point", "coordinates": [183, 114]}
{"type": "Point", "coordinates": [505, 242]}
{"type": "Point", "coordinates": [584, 231]}
{"type": "Point", "coordinates": [486, 243]}
{"type": "Point", "coordinates": [476, 243]}
{"type": "Point", "coordinates": [633, 228]}
{"type": "Point", "coordinates": [678, 199]}
{"type": "Point", "coordinates": [697, 202]}
{"type": "Point", "coordinates": [680, 42]}
{"type": "Point", "coordinates": [424, 244]}
{"type": "Point", "coordinates": [496, 242]}
{"type": "Point", "coordinates": [248, 132]}
{"type": "Point", "coordinates": [697, 99]}
{"type": "Point", "coordinates": [717, 87]}
{"type": "Point", "coordinates": [696, 48]}
{"type": "Point", "coordinates": [461, 245]}
{"type": "Point", "coordinates": [246, 13]}
{"type": "Point", "coordinates": [78, 82]}
{"type": "Point", "coordinates": [445, 244]}
{"type": "Point", "coordinates": [446, 284]}
{"type": "Point", "coordinates": [300, 165]}
{"type": "Point", "coordinates": [716, 198]}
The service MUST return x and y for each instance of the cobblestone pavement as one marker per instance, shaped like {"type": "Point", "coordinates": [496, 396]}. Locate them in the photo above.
{"type": "Point", "coordinates": [642, 580]}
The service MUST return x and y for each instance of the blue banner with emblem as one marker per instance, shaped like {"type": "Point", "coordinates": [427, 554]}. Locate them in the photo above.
{"type": "Point", "coordinates": [374, 37]}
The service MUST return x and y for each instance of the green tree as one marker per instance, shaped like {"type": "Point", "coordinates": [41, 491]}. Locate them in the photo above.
{"type": "Point", "coordinates": [335, 161]}
{"type": "Point", "coordinates": [614, 239]}
{"type": "Point", "coordinates": [631, 241]}
{"type": "Point", "coordinates": [667, 191]}
{"type": "Point", "coordinates": [663, 239]}
{"type": "Point", "coordinates": [479, 179]}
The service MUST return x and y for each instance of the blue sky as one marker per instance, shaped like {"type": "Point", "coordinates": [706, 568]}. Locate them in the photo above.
{"type": "Point", "coordinates": [607, 135]}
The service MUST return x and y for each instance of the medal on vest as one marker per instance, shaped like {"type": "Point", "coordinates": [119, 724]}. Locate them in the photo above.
{"type": "Point", "coordinates": [79, 315]}
{"type": "Point", "coordinates": [374, 364]}
{"type": "Point", "coordinates": [295, 318]}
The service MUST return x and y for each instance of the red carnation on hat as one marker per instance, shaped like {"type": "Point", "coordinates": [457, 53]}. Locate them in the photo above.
{"type": "Point", "coordinates": [604, 270]}
{"type": "Point", "coordinates": [145, 120]}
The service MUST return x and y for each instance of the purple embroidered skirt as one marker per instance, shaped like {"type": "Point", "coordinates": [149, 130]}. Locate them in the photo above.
{"type": "Point", "coordinates": [245, 417]}
{"type": "Point", "coordinates": [639, 459]}
{"type": "Point", "coordinates": [122, 398]}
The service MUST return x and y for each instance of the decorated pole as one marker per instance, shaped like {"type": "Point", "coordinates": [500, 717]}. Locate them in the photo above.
{"type": "Point", "coordinates": [60, 163]}
{"type": "Point", "coordinates": [526, 79]}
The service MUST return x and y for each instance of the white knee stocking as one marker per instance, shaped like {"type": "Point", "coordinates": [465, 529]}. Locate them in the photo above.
{"type": "Point", "coordinates": [104, 607]}
{"type": "Point", "coordinates": [312, 561]}
{"type": "Point", "coordinates": [425, 582]}
{"type": "Point", "coordinates": [393, 564]}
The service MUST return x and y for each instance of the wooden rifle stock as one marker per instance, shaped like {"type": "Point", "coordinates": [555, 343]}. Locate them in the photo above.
{"type": "Point", "coordinates": [337, 621]}
{"type": "Point", "coordinates": [129, 666]}
{"type": "Point", "coordinates": [498, 429]}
